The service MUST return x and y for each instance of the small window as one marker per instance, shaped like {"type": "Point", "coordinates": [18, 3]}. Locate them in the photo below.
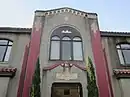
{"type": "Point", "coordinates": [5, 50]}
{"type": "Point", "coordinates": [124, 54]}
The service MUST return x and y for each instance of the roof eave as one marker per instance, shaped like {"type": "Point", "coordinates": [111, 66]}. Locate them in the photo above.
{"type": "Point", "coordinates": [115, 34]}
{"type": "Point", "coordinates": [15, 30]}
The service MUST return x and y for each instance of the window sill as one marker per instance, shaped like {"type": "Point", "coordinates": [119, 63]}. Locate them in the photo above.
{"type": "Point", "coordinates": [123, 67]}
{"type": "Point", "coordinates": [72, 61]}
{"type": "Point", "coordinates": [4, 64]}
{"type": "Point", "coordinates": [65, 60]}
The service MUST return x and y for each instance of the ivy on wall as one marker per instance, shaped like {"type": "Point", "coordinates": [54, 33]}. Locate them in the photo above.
{"type": "Point", "coordinates": [91, 79]}
{"type": "Point", "coordinates": [35, 87]}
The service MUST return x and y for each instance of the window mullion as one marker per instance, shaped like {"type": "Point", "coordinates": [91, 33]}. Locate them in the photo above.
{"type": "Point", "coordinates": [60, 49]}
{"type": "Point", "coordinates": [123, 55]}
{"type": "Point", "coordinates": [50, 49]}
{"type": "Point", "coordinates": [5, 51]}
{"type": "Point", "coordinates": [72, 56]}
{"type": "Point", "coordinates": [82, 50]}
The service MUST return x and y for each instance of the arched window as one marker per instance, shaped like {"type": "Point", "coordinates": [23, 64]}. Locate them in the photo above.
{"type": "Point", "coordinates": [5, 49]}
{"type": "Point", "coordinates": [124, 53]}
{"type": "Point", "coordinates": [66, 44]}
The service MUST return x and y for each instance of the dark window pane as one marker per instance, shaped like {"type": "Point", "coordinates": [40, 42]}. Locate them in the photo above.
{"type": "Point", "coordinates": [7, 53]}
{"type": "Point", "coordinates": [3, 42]}
{"type": "Point", "coordinates": [77, 51]}
{"type": "Point", "coordinates": [66, 91]}
{"type": "Point", "coordinates": [127, 56]}
{"type": "Point", "coordinates": [120, 57]}
{"type": "Point", "coordinates": [66, 50]}
{"type": "Point", "coordinates": [55, 49]}
{"type": "Point", "coordinates": [2, 52]}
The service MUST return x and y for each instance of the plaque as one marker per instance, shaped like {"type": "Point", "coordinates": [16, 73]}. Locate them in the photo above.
{"type": "Point", "coordinates": [63, 76]}
{"type": "Point", "coordinates": [66, 73]}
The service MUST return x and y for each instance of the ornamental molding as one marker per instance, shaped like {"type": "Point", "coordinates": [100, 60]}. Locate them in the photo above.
{"type": "Point", "coordinates": [121, 73]}
{"type": "Point", "coordinates": [65, 64]}
{"type": "Point", "coordinates": [66, 31]}
{"type": "Point", "coordinates": [7, 72]}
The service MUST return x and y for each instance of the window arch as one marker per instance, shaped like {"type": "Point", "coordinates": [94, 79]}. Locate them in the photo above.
{"type": "Point", "coordinates": [5, 49]}
{"type": "Point", "coordinates": [124, 53]}
{"type": "Point", "coordinates": [66, 44]}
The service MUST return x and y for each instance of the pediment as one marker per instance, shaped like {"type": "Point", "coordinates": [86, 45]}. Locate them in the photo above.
{"type": "Point", "coordinates": [65, 10]}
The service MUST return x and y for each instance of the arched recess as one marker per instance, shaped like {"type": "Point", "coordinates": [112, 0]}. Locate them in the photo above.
{"type": "Point", "coordinates": [67, 44]}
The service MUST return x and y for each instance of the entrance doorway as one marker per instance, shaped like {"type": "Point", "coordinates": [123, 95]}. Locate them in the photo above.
{"type": "Point", "coordinates": [66, 90]}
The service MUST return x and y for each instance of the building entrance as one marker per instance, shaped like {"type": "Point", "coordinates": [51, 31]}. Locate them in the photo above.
{"type": "Point", "coordinates": [66, 90]}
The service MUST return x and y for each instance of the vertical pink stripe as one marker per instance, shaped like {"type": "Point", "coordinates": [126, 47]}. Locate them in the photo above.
{"type": "Point", "coordinates": [100, 65]}
{"type": "Point", "coordinates": [22, 75]}
{"type": "Point", "coordinates": [109, 79]}
{"type": "Point", "coordinates": [32, 59]}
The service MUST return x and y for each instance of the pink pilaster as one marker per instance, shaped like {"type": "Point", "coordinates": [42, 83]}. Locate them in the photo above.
{"type": "Point", "coordinates": [23, 71]}
{"type": "Point", "coordinates": [33, 55]}
{"type": "Point", "coordinates": [101, 72]}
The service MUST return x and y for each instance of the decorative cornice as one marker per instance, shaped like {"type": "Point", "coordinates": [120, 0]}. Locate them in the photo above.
{"type": "Point", "coordinates": [28, 31]}
{"type": "Point", "coordinates": [7, 72]}
{"type": "Point", "coordinates": [121, 73]}
{"type": "Point", "coordinates": [64, 10]}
